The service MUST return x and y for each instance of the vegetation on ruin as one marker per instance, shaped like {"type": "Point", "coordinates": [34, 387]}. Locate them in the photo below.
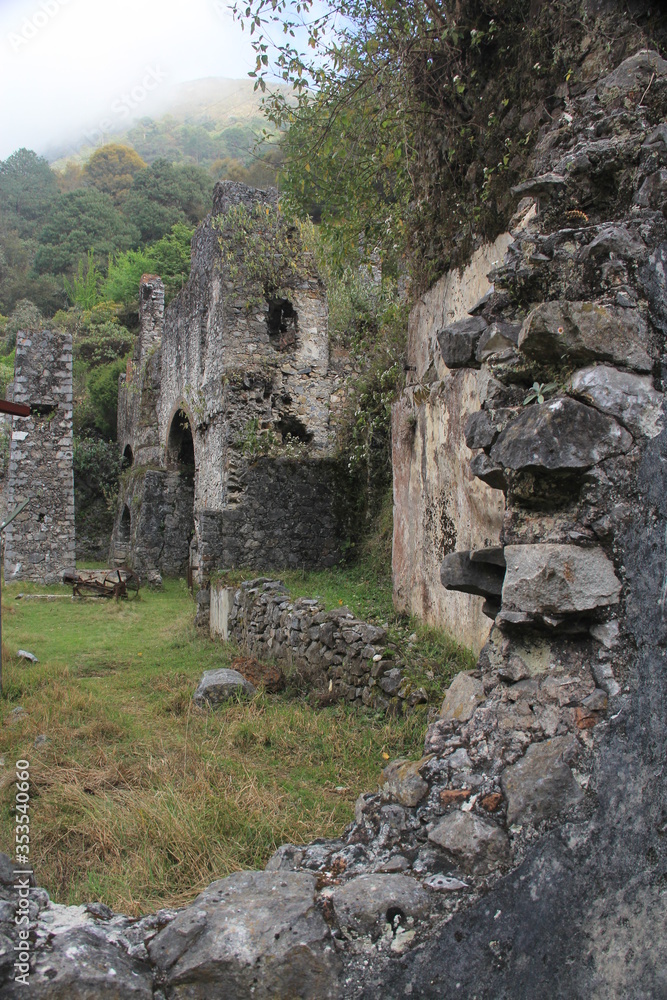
{"type": "Point", "coordinates": [368, 319]}
{"type": "Point", "coordinates": [264, 249]}
{"type": "Point", "coordinates": [139, 799]}
{"type": "Point", "coordinates": [410, 120]}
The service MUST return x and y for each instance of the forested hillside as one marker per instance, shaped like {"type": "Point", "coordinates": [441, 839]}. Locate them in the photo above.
{"type": "Point", "coordinates": [205, 122]}
{"type": "Point", "coordinates": [76, 235]}
{"type": "Point", "coordinates": [75, 240]}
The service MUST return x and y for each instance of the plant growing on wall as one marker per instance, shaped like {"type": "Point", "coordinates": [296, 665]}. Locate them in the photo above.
{"type": "Point", "coordinates": [254, 441]}
{"type": "Point", "coordinates": [263, 249]}
{"type": "Point", "coordinates": [539, 392]}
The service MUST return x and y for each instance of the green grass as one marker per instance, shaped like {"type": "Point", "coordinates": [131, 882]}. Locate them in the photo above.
{"type": "Point", "coordinates": [138, 798]}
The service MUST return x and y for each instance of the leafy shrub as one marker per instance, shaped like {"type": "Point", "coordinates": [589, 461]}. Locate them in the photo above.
{"type": "Point", "coordinates": [169, 257]}
{"type": "Point", "coordinates": [97, 411]}
{"type": "Point", "coordinates": [96, 470]}
{"type": "Point", "coordinates": [83, 289]}
{"type": "Point", "coordinates": [6, 371]}
{"type": "Point", "coordinates": [25, 316]}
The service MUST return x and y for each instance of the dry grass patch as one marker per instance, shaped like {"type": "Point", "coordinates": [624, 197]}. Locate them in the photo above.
{"type": "Point", "coordinates": [138, 798]}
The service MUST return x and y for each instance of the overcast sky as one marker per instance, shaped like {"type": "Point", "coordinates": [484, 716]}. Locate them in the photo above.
{"type": "Point", "coordinates": [66, 66]}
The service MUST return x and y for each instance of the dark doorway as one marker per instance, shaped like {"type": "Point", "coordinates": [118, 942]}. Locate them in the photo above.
{"type": "Point", "coordinates": [180, 444]}
{"type": "Point", "coordinates": [128, 459]}
{"type": "Point", "coordinates": [179, 496]}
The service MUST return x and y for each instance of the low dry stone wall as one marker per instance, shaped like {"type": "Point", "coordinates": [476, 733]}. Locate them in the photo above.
{"type": "Point", "coordinates": [339, 655]}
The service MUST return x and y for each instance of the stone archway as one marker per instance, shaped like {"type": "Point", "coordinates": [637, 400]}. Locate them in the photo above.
{"type": "Point", "coordinates": [180, 443]}
{"type": "Point", "coordinates": [180, 465]}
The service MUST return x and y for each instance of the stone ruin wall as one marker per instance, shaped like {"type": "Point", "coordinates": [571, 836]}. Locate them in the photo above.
{"type": "Point", "coordinates": [524, 855]}
{"type": "Point", "coordinates": [210, 355]}
{"type": "Point", "coordinates": [439, 505]}
{"type": "Point", "coordinates": [40, 543]}
{"type": "Point", "coordinates": [337, 655]}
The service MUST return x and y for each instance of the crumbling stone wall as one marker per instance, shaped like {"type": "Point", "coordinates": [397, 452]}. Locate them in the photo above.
{"type": "Point", "coordinates": [255, 401]}
{"type": "Point", "coordinates": [139, 388]}
{"type": "Point", "coordinates": [40, 542]}
{"type": "Point", "coordinates": [348, 659]}
{"type": "Point", "coordinates": [156, 522]}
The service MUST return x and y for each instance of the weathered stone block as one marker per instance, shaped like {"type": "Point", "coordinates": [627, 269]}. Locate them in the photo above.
{"type": "Point", "coordinates": [543, 187]}
{"type": "Point", "coordinates": [586, 332]}
{"type": "Point", "coordinates": [540, 785]}
{"type": "Point", "coordinates": [629, 398]}
{"type": "Point", "coordinates": [81, 965]}
{"type": "Point", "coordinates": [480, 430]}
{"type": "Point", "coordinates": [217, 685]}
{"type": "Point", "coordinates": [463, 696]}
{"type": "Point", "coordinates": [653, 192]}
{"type": "Point", "coordinates": [459, 572]}
{"type": "Point", "coordinates": [561, 434]}
{"type": "Point", "coordinates": [373, 634]}
{"type": "Point", "coordinates": [558, 579]}
{"type": "Point", "coordinates": [497, 339]}
{"type": "Point", "coordinates": [403, 782]}
{"type": "Point", "coordinates": [363, 905]}
{"type": "Point", "coordinates": [490, 472]}
{"type": "Point", "coordinates": [391, 681]}
{"type": "Point", "coordinates": [477, 844]}
{"type": "Point", "coordinates": [252, 935]}
{"type": "Point", "coordinates": [633, 74]}
{"type": "Point", "coordinates": [458, 342]}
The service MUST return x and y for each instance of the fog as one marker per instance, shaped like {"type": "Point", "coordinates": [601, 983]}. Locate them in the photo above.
{"type": "Point", "coordinates": [75, 68]}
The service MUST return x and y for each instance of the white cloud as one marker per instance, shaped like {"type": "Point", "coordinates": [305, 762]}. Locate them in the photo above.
{"type": "Point", "coordinates": [67, 65]}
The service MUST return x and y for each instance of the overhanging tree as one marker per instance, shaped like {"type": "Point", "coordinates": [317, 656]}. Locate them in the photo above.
{"type": "Point", "coordinates": [407, 123]}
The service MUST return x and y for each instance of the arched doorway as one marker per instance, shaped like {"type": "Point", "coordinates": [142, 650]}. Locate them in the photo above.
{"type": "Point", "coordinates": [180, 462]}
{"type": "Point", "coordinates": [128, 458]}
{"type": "Point", "coordinates": [180, 444]}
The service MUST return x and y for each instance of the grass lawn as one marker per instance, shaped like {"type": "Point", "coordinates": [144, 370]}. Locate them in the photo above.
{"type": "Point", "coordinates": [138, 799]}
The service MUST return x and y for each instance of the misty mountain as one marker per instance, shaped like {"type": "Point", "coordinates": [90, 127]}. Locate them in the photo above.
{"type": "Point", "coordinates": [204, 121]}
